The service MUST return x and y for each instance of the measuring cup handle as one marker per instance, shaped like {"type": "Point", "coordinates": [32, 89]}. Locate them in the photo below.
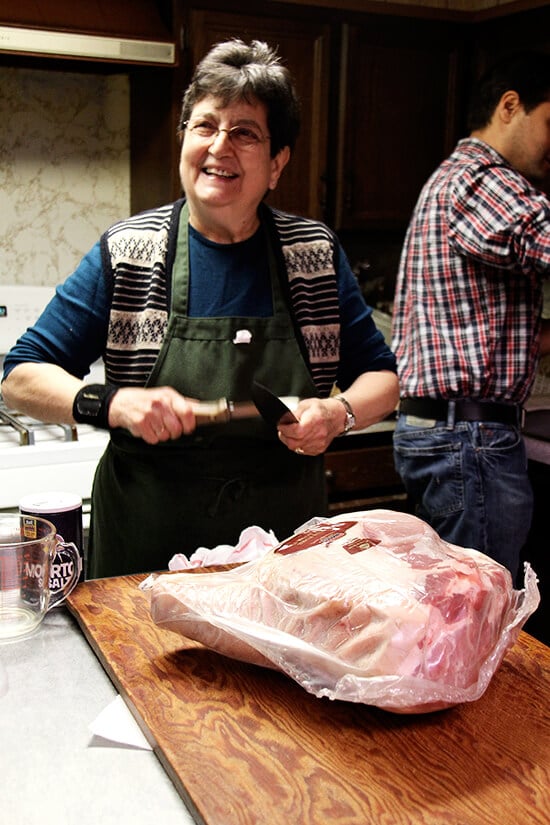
{"type": "Point", "coordinates": [60, 595]}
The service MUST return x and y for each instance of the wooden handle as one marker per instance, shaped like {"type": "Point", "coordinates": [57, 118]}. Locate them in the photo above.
{"type": "Point", "coordinates": [212, 412]}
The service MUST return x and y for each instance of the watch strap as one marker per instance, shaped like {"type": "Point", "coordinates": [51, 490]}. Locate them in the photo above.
{"type": "Point", "coordinates": [350, 416]}
{"type": "Point", "coordinates": [91, 404]}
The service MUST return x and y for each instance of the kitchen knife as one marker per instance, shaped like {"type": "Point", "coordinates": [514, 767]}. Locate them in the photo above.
{"type": "Point", "coordinates": [223, 410]}
{"type": "Point", "coordinates": [264, 403]}
{"type": "Point", "coordinates": [274, 410]}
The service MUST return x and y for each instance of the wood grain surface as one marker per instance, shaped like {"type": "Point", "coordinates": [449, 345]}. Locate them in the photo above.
{"type": "Point", "coordinates": [248, 746]}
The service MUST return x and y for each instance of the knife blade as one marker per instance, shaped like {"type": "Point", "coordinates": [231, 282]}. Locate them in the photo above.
{"type": "Point", "coordinates": [274, 409]}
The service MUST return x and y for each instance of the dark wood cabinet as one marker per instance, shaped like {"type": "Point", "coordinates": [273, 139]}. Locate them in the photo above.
{"type": "Point", "coordinates": [154, 148]}
{"type": "Point", "coordinates": [396, 117]}
{"type": "Point", "coordinates": [383, 101]}
{"type": "Point", "coordinates": [378, 107]}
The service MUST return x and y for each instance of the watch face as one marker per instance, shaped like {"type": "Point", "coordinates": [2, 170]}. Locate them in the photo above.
{"type": "Point", "coordinates": [350, 422]}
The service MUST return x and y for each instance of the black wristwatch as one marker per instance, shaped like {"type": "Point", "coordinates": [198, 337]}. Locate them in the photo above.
{"type": "Point", "coordinates": [350, 417]}
{"type": "Point", "coordinates": [91, 404]}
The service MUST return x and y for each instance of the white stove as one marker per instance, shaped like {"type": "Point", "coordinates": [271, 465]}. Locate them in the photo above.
{"type": "Point", "coordinates": [37, 457]}
{"type": "Point", "coordinates": [50, 463]}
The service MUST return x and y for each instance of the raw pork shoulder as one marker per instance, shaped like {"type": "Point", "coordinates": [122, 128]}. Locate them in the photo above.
{"type": "Point", "coordinates": [370, 607]}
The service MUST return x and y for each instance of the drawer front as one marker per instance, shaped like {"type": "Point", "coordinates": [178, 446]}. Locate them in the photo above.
{"type": "Point", "coordinates": [368, 469]}
{"type": "Point", "coordinates": [363, 479]}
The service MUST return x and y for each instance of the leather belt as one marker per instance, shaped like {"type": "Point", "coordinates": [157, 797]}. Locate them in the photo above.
{"type": "Point", "coordinates": [440, 409]}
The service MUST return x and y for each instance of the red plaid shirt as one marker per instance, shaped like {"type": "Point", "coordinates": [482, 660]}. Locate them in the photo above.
{"type": "Point", "coordinates": [469, 291]}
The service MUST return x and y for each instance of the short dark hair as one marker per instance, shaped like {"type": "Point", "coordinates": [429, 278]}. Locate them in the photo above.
{"type": "Point", "coordinates": [234, 70]}
{"type": "Point", "coordinates": [527, 73]}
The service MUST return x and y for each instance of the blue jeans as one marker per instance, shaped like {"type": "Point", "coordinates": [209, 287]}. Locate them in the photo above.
{"type": "Point", "coordinates": [469, 482]}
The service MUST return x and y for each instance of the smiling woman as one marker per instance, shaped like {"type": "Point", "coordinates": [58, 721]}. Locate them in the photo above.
{"type": "Point", "coordinates": [163, 296]}
{"type": "Point", "coordinates": [238, 127]}
{"type": "Point", "coordinates": [225, 163]}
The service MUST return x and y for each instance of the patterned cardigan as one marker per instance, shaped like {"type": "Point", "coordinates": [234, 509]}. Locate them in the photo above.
{"type": "Point", "coordinates": [138, 255]}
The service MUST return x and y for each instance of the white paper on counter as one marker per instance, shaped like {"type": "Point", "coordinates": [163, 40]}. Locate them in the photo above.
{"type": "Point", "coordinates": [116, 724]}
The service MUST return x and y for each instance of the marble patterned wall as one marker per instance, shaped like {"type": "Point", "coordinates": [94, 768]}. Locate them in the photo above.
{"type": "Point", "coordinates": [64, 168]}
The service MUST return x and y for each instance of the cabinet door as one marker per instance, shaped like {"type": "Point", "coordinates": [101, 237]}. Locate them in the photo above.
{"type": "Point", "coordinates": [396, 119]}
{"type": "Point", "coordinates": [304, 49]}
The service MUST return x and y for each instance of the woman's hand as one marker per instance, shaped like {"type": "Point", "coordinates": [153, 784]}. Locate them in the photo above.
{"type": "Point", "coordinates": [372, 397]}
{"type": "Point", "coordinates": [154, 414]}
{"type": "Point", "coordinates": [319, 421]}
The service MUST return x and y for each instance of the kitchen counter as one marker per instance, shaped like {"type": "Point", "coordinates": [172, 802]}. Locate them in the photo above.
{"type": "Point", "coordinates": [53, 769]}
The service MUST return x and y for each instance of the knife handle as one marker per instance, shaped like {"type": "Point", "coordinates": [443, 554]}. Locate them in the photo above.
{"type": "Point", "coordinates": [212, 412]}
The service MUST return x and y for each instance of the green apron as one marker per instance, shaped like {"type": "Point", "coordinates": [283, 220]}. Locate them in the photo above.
{"type": "Point", "coordinates": [150, 502]}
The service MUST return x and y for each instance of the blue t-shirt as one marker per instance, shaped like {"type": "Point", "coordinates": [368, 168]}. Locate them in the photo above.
{"type": "Point", "coordinates": [238, 281]}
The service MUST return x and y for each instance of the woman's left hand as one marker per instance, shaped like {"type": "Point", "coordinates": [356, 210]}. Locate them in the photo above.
{"type": "Point", "coordinates": [372, 396]}
{"type": "Point", "coordinates": [319, 421]}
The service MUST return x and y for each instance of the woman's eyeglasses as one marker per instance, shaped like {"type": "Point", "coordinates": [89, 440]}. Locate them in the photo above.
{"type": "Point", "coordinates": [242, 137]}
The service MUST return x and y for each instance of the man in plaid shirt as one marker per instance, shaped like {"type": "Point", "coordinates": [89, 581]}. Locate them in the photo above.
{"type": "Point", "coordinates": [467, 317]}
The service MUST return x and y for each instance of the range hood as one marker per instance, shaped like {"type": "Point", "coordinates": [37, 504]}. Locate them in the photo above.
{"type": "Point", "coordinates": [119, 31]}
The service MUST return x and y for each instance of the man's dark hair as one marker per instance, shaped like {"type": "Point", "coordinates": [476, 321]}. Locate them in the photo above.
{"type": "Point", "coordinates": [527, 73]}
{"type": "Point", "coordinates": [234, 71]}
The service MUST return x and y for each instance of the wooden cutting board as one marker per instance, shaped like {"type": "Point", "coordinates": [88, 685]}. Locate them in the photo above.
{"type": "Point", "coordinates": [247, 746]}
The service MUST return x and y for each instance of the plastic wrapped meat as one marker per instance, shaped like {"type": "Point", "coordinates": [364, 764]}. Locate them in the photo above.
{"type": "Point", "coordinates": [367, 607]}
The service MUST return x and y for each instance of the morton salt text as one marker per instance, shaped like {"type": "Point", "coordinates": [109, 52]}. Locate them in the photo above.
{"type": "Point", "coordinates": [60, 572]}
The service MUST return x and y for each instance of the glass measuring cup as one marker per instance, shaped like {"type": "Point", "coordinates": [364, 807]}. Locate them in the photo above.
{"type": "Point", "coordinates": [28, 545]}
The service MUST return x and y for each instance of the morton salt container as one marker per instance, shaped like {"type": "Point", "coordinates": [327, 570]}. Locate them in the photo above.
{"type": "Point", "coordinates": [64, 511]}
